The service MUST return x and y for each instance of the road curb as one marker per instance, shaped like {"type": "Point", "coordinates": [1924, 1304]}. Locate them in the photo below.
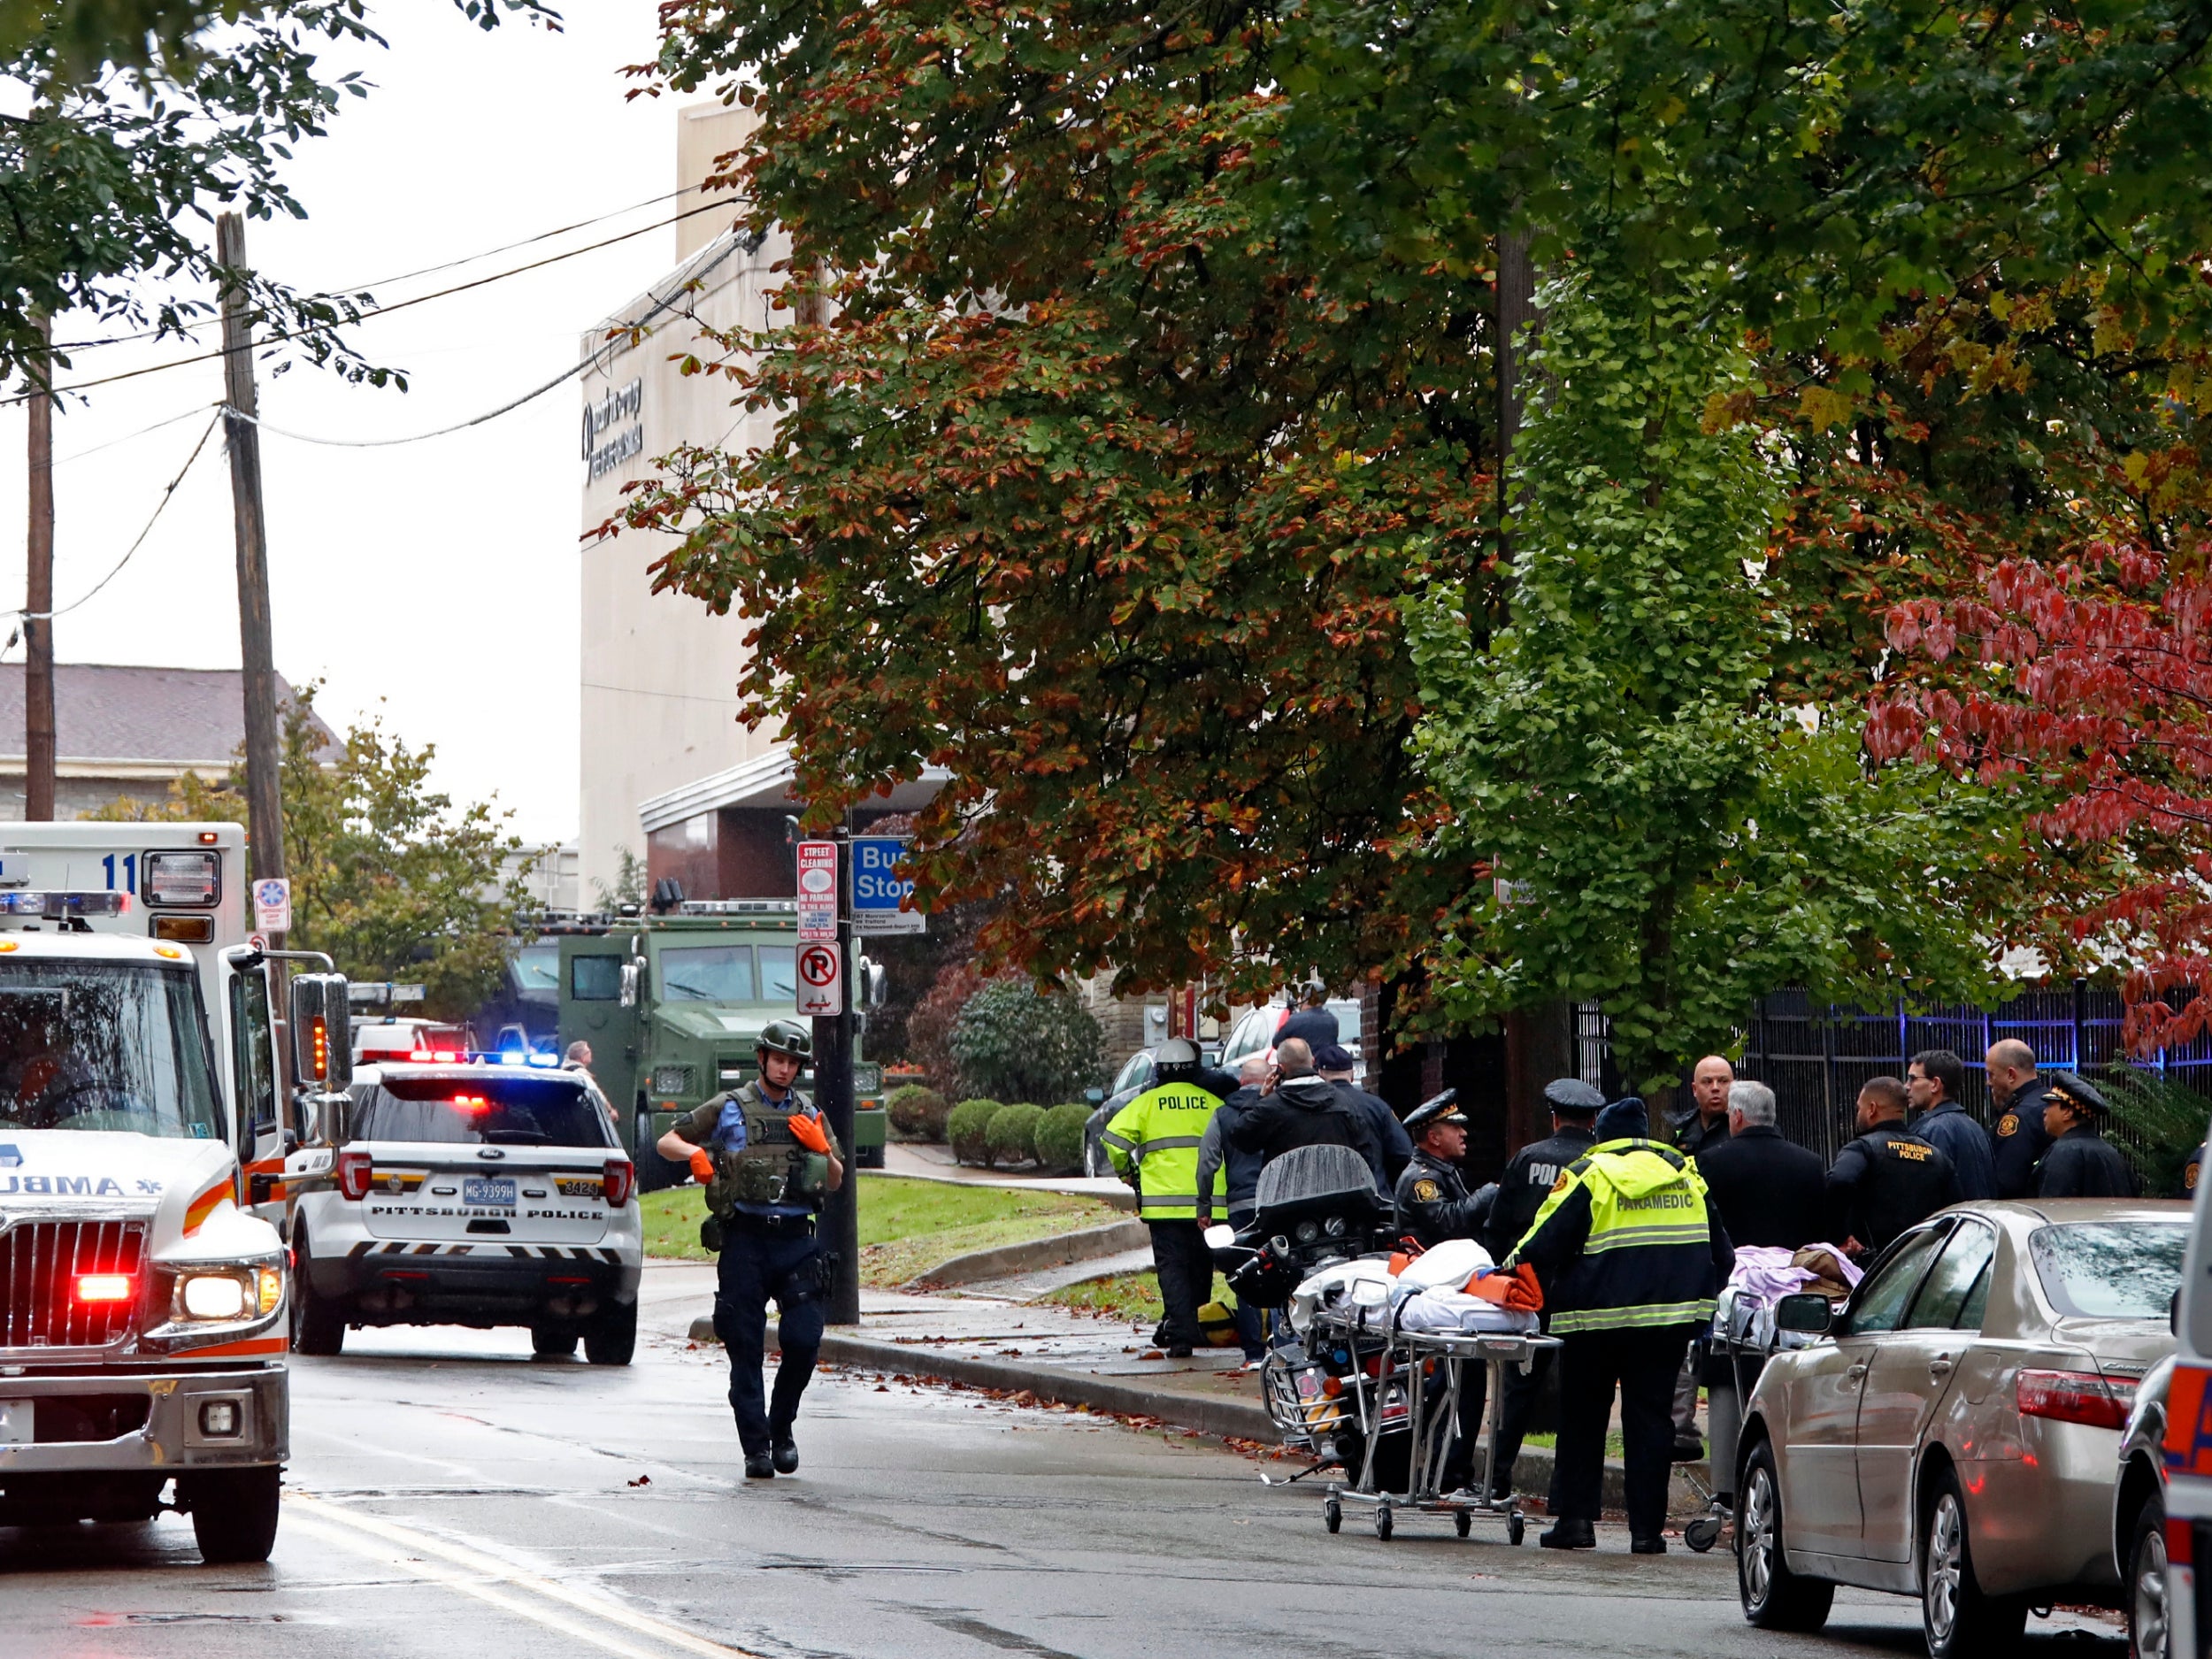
{"type": "Point", "coordinates": [1002, 1261]}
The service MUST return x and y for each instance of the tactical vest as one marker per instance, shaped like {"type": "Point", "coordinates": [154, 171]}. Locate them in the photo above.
{"type": "Point", "coordinates": [771, 1167]}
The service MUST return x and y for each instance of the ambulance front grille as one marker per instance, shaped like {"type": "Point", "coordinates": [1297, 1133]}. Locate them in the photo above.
{"type": "Point", "coordinates": [40, 1266]}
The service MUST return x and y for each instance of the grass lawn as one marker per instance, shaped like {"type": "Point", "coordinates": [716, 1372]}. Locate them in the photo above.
{"type": "Point", "coordinates": [1131, 1296]}
{"type": "Point", "coordinates": [906, 1226]}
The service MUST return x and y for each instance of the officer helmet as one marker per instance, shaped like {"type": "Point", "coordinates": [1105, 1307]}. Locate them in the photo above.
{"type": "Point", "coordinates": [1176, 1057]}
{"type": "Point", "coordinates": [787, 1037]}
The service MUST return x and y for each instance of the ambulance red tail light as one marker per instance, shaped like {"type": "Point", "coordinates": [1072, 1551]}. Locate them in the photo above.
{"type": "Point", "coordinates": [354, 1169]}
{"type": "Point", "coordinates": [619, 1181]}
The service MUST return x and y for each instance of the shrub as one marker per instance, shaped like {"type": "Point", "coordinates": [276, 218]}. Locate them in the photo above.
{"type": "Point", "coordinates": [967, 1125]}
{"type": "Point", "coordinates": [1011, 1041]}
{"type": "Point", "coordinates": [917, 1113]}
{"type": "Point", "coordinates": [929, 1027]}
{"type": "Point", "coordinates": [1060, 1138]}
{"type": "Point", "coordinates": [1012, 1136]}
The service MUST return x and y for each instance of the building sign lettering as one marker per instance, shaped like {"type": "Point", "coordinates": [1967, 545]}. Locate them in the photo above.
{"type": "Point", "coordinates": [623, 406]}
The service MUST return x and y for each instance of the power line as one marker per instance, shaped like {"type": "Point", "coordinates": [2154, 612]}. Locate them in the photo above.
{"type": "Point", "coordinates": [171, 421]}
{"type": "Point", "coordinates": [47, 615]}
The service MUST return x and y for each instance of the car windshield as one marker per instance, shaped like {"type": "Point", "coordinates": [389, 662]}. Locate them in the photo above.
{"type": "Point", "coordinates": [100, 1046]}
{"type": "Point", "coordinates": [465, 1110]}
{"type": "Point", "coordinates": [707, 973]}
{"type": "Point", "coordinates": [2110, 1270]}
{"type": "Point", "coordinates": [538, 968]}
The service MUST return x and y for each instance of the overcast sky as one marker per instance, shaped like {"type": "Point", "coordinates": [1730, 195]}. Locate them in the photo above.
{"type": "Point", "coordinates": [436, 581]}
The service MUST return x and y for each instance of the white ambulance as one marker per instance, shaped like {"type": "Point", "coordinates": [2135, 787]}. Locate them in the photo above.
{"type": "Point", "coordinates": [142, 1313]}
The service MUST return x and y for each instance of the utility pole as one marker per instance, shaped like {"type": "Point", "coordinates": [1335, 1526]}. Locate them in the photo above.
{"type": "Point", "coordinates": [38, 604]}
{"type": "Point", "coordinates": [265, 804]}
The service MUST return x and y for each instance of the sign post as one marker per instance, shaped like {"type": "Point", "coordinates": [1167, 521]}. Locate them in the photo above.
{"type": "Point", "coordinates": [824, 966]}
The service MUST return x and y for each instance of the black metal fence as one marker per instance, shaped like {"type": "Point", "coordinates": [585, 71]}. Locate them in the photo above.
{"type": "Point", "coordinates": [1815, 1057]}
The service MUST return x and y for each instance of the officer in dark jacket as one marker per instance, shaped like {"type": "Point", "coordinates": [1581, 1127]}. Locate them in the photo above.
{"type": "Point", "coordinates": [1333, 1062]}
{"type": "Point", "coordinates": [1312, 1023]}
{"type": "Point", "coordinates": [1706, 1123]}
{"type": "Point", "coordinates": [1433, 1202]}
{"type": "Point", "coordinates": [2081, 1162]}
{"type": "Point", "coordinates": [1933, 1082]}
{"type": "Point", "coordinates": [2192, 1169]}
{"type": "Point", "coordinates": [1771, 1193]}
{"type": "Point", "coordinates": [2017, 1140]}
{"type": "Point", "coordinates": [1888, 1179]}
{"type": "Point", "coordinates": [1302, 1110]}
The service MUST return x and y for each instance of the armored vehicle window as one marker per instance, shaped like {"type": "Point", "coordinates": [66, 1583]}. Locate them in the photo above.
{"type": "Point", "coordinates": [595, 978]}
{"type": "Point", "coordinates": [90, 1045]}
{"type": "Point", "coordinates": [466, 1111]}
{"type": "Point", "coordinates": [707, 973]}
{"type": "Point", "coordinates": [538, 968]}
{"type": "Point", "coordinates": [778, 974]}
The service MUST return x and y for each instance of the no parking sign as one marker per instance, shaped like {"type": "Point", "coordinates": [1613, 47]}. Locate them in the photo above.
{"type": "Point", "coordinates": [821, 991]}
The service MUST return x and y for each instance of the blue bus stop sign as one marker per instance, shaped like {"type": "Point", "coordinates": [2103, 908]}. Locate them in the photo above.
{"type": "Point", "coordinates": [878, 889]}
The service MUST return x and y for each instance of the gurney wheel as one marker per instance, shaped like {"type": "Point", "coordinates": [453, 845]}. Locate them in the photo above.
{"type": "Point", "coordinates": [1461, 1521]}
{"type": "Point", "coordinates": [1382, 1522]}
{"type": "Point", "coordinates": [1703, 1534]}
{"type": "Point", "coordinates": [1331, 1513]}
{"type": "Point", "coordinates": [1516, 1528]}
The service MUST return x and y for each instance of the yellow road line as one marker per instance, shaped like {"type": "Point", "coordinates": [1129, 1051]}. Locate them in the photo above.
{"type": "Point", "coordinates": [472, 1573]}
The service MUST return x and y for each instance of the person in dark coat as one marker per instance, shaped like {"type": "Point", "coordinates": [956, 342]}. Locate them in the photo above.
{"type": "Point", "coordinates": [1888, 1179]}
{"type": "Point", "coordinates": [1313, 1023]}
{"type": "Point", "coordinates": [2017, 1141]}
{"type": "Point", "coordinates": [1236, 1176]}
{"type": "Point", "coordinates": [1934, 1081]}
{"type": "Point", "coordinates": [1334, 1063]}
{"type": "Point", "coordinates": [1433, 1202]}
{"type": "Point", "coordinates": [2081, 1162]}
{"type": "Point", "coordinates": [1302, 1110]}
{"type": "Point", "coordinates": [1707, 1124]}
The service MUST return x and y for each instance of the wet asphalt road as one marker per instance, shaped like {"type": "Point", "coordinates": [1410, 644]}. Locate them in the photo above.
{"type": "Point", "coordinates": [449, 1495]}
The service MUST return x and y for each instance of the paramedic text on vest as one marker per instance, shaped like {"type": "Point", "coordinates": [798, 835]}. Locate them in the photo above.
{"type": "Point", "coordinates": [1630, 1256]}
{"type": "Point", "coordinates": [767, 1160]}
{"type": "Point", "coordinates": [1154, 1143]}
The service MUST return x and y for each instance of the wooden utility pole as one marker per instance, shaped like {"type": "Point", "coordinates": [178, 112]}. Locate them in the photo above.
{"type": "Point", "coordinates": [38, 604]}
{"type": "Point", "coordinates": [264, 803]}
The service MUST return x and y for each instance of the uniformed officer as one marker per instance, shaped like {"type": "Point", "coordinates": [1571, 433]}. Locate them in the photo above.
{"type": "Point", "coordinates": [2081, 1162]}
{"type": "Point", "coordinates": [2017, 1140]}
{"type": "Point", "coordinates": [1433, 1202]}
{"type": "Point", "coordinates": [767, 1160]}
{"type": "Point", "coordinates": [1889, 1178]}
{"type": "Point", "coordinates": [1154, 1143]}
{"type": "Point", "coordinates": [2191, 1169]}
{"type": "Point", "coordinates": [1631, 1258]}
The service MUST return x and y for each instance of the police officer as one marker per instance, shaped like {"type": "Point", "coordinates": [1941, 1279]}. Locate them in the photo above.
{"type": "Point", "coordinates": [1433, 1202]}
{"type": "Point", "coordinates": [1888, 1179]}
{"type": "Point", "coordinates": [767, 1160]}
{"type": "Point", "coordinates": [2017, 1140]}
{"type": "Point", "coordinates": [2191, 1169]}
{"type": "Point", "coordinates": [1154, 1142]}
{"type": "Point", "coordinates": [2081, 1162]}
{"type": "Point", "coordinates": [1934, 1080]}
{"type": "Point", "coordinates": [1631, 1258]}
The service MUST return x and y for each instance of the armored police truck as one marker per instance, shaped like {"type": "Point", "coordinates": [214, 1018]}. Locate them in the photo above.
{"type": "Point", "coordinates": [672, 1006]}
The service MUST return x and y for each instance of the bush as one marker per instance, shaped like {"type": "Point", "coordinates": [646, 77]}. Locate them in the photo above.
{"type": "Point", "coordinates": [1060, 1138]}
{"type": "Point", "coordinates": [1011, 1043]}
{"type": "Point", "coordinates": [967, 1127]}
{"type": "Point", "coordinates": [917, 1113]}
{"type": "Point", "coordinates": [2159, 1122]}
{"type": "Point", "coordinates": [1012, 1136]}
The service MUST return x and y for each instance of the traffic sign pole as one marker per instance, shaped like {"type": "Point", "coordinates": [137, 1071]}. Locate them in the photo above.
{"type": "Point", "coordinates": [833, 1094]}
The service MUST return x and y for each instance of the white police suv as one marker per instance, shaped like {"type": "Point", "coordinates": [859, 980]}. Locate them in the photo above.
{"type": "Point", "coordinates": [469, 1194]}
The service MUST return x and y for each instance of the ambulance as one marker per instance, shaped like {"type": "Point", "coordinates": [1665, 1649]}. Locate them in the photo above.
{"type": "Point", "coordinates": [143, 1125]}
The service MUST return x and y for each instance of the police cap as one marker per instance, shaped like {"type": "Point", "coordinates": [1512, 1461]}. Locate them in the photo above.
{"type": "Point", "coordinates": [1333, 1056]}
{"type": "Point", "coordinates": [1571, 1097]}
{"type": "Point", "coordinates": [2074, 1090]}
{"type": "Point", "coordinates": [1438, 1109]}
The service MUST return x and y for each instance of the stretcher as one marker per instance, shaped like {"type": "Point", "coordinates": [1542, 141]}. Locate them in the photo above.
{"type": "Point", "coordinates": [1743, 1333]}
{"type": "Point", "coordinates": [1390, 1417]}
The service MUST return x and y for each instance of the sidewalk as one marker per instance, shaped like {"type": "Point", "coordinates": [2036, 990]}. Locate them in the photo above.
{"type": "Point", "coordinates": [921, 1161]}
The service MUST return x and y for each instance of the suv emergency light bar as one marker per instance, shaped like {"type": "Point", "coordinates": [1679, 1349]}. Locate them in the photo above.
{"type": "Point", "coordinates": [58, 906]}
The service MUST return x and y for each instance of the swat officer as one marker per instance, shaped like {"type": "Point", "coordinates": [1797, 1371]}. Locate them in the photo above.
{"type": "Point", "coordinates": [767, 1160]}
{"type": "Point", "coordinates": [1433, 1202]}
{"type": "Point", "coordinates": [1888, 1179]}
{"type": "Point", "coordinates": [2081, 1162]}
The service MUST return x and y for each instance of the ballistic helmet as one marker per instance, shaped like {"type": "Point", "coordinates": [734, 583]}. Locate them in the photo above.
{"type": "Point", "coordinates": [788, 1037]}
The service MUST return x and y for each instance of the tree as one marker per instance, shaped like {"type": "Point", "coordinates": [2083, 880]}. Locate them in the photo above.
{"type": "Point", "coordinates": [1013, 1043]}
{"type": "Point", "coordinates": [628, 887]}
{"type": "Point", "coordinates": [388, 875]}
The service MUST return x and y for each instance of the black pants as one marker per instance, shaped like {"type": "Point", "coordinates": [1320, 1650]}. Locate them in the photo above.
{"type": "Point", "coordinates": [1644, 1364]}
{"type": "Point", "coordinates": [758, 1267]}
{"type": "Point", "coordinates": [1522, 1388]}
{"type": "Point", "coordinates": [1186, 1271]}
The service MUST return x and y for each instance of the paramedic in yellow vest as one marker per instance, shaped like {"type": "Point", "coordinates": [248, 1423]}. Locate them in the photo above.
{"type": "Point", "coordinates": [1630, 1256]}
{"type": "Point", "coordinates": [1154, 1143]}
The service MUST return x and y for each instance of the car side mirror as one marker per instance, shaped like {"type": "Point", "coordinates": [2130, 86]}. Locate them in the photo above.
{"type": "Point", "coordinates": [1807, 1313]}
{"type": "Point", "coordinates": [322, 1032]}
{"type": "Point", "coordinates": [632, 981]}
{"type": "Point", "coordinates": [1096, 1096]}
{"type": "Point", "coordinates": [325, 1120]}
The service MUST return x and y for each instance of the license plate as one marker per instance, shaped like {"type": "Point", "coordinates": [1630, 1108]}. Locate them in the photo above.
{"type": "Point", "coordinates": [15, 1422]}
{"type": "Point", "coordinates": [478, 1189]}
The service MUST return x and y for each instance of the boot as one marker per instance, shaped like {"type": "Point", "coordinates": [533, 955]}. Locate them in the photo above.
{"type": "Point", "coordinates": [1567, 1534]}
{"type": "Point", "coordinates": [1647, 1545]}
{"type": "Point", "coordinates": [785, 1451]}
{"type": "Point", "coordinates": [759, 1467]}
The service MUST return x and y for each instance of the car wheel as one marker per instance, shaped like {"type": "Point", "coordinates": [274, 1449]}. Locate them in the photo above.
{"type": "Point", "coordinates": [552, 1342]}
{"type": "Point", "coordinates": [1956, 1616]}
{"type": "Point", "coordinates": [234, 1512]}
{"type": "Point", "coordinates": [1774, 1598]}
{"type": "Point", "coordinates": [318, 1323]}
{"type": "Point", "coordinates": [2150, 1635]}
{"type": "Point", "coordinates": [611, 1338]}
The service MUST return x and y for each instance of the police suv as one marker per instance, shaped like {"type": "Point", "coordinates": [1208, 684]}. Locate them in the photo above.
{"type": "Point", "coordinates": [472, 1193]}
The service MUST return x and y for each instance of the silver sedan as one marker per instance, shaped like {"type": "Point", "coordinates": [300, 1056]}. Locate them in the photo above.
{"type": "Point", "coordinates": [1954, 1434]}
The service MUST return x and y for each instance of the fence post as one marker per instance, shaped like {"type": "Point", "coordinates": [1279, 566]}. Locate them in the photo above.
{"type": "Point", "coordinates": [1828, 1077]}
{"type": "Point", "coordinates": [2081, 1025]}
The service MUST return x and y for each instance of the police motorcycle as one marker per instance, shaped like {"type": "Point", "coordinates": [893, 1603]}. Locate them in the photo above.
{"type": "Point", "coordinates": [1319, 1226]}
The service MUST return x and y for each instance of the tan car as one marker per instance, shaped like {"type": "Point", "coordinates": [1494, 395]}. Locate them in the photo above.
{"type": "Point", "coordinates": [1956, 1435]}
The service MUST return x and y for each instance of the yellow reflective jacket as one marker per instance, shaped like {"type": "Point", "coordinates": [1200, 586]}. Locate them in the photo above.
{"type": "Point", "coordinates": [1157, 1135]}
{"type": "Point", "coordinates": [1627, 1240]}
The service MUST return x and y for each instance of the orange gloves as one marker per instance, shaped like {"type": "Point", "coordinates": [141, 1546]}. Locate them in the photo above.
{"type": "Point", "coordinates": [808, 1132]}
{"type": "Point", "coordinates": [702, 1165]}
{"type": "Point", "coordinates": [1516, 1289]}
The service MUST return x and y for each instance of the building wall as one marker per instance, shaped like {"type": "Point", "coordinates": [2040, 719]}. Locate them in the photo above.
{"type": "Point", "coordinates": [78, 797]}
{"type": "Point", "coordinates": [659, 672]}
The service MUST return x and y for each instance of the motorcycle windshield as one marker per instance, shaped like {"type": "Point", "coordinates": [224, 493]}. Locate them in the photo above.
{"type": "Point", "coordinates": [1307, 1173]}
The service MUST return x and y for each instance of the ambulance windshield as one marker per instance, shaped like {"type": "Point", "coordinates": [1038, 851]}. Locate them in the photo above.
{"type": "Point", "coordinates": [104, 1046]}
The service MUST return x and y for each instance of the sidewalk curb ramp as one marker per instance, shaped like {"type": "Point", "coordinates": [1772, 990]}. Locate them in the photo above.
{"type": "Point", "coordinates": [1003, 1261]}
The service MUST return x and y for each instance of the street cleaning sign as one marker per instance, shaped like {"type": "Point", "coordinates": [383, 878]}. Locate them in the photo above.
{"type": "Point", "coordinates": [818, 892]}
{"type": "Point", "coordinates": [878, 889]}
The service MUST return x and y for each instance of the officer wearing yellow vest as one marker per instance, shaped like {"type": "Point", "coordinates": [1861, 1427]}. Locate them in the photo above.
{"type": "Point", "coordinates": [1631, 1258]}
{"type": "Point", "coordinates": [1154, 1143]}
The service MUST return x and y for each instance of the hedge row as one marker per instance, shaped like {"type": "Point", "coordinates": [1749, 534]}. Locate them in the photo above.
{"type": "Point", "coordinates": [993, 1135]}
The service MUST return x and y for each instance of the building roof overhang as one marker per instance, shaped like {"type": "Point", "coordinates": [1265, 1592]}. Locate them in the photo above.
{"type": "Point", "coordinates": [766, 782]}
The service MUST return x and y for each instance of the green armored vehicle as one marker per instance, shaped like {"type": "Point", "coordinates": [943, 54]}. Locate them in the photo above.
{"type": "Point", "coordinates": [670, 1006]}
